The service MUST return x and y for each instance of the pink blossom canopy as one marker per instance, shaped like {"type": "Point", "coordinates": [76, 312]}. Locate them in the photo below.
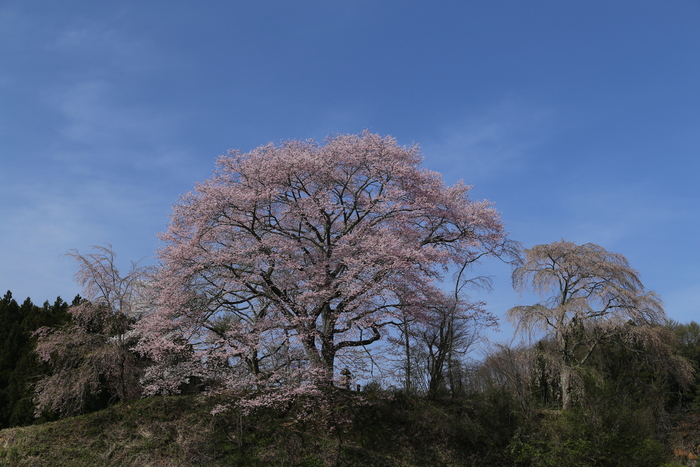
{"type": "Point", "coordinates": [293, 253]}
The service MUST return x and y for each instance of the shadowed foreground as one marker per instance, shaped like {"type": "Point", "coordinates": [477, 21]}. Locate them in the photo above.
{"type": "Point", "coordinates": [384, 430]}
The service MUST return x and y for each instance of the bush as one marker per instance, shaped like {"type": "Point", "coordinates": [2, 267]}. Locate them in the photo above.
{"type": "Point", "coordinates": [583, 437]}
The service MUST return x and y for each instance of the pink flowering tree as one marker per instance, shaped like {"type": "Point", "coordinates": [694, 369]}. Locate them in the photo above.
{"type": "Point", "coordinates": [292, 256]}
{"type": "Point", "coordinates": [93, 356]}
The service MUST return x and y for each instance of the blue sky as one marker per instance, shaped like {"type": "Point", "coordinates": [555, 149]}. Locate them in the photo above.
{"type": "Point", "coordinates": [578, 119]}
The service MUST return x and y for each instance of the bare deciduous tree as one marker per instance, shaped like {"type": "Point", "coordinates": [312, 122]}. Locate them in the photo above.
{"type": "Point", "coordinates": [433, 349]}
{"type": "Point", "coordinates": [507, 368]}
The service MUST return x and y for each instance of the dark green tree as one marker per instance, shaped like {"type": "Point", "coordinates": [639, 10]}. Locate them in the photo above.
{"type": "Point", "coordinates": [687, 344]}
{"type": "Point", "coordinates": [19, 367]}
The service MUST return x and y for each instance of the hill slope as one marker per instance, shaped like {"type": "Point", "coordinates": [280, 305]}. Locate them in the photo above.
{"type": "Point", "coordinates": [397, 430]}
{"type": "Point", "coordinates": [180, 431]}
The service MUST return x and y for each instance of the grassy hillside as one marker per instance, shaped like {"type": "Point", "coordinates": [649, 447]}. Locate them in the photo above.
{"type": "Point", "coordinates": [162, 431]}
{"type": "Point", "coordinates": [383, 431]}
{"type": "Point", "coordinates": [180, 431]}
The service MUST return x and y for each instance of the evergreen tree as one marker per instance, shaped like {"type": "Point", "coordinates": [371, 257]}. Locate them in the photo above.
{"type": "Point", "coordinates": [19, 367]}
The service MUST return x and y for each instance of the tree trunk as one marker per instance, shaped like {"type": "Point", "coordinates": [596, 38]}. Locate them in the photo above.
{"type": "Point", "coordinates": [328, 349]}
{"type": "Point", "coordinates": [407, 348]}
{"type": "Point", "coordinates": [565, 380]}
{"type": "Point", "coordinates": [435, 370]}
{"type": "Point", "coordinates": [566, 370]}
{"type": "Point", "coordinates": [328, 357]}
{"type": "Point", "coordinates": [254, 363]}
{"type": "Point", "coordinates": [309, 343]}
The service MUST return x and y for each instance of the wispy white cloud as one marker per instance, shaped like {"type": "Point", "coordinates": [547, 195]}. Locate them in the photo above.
{"type": "Point", "coordinates": [108, 44]}
{"type": "Point", "coordinates": [44, 221]}
{"type": "Point", "coordinates": [500, 139]}
{"type": "Point", "coordinates": [94, 115]}
{"type": "Point", "coordinates": [104, 165]}
{"type": "Point", "coordinates": [590, 212]}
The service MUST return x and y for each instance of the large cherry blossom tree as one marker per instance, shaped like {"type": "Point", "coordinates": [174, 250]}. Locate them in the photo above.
{"type": "Point", "coordinates": [293, 255]}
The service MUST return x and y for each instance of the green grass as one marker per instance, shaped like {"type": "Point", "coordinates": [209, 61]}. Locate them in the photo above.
{"type": "Point", "coordinates": [161, 431]}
